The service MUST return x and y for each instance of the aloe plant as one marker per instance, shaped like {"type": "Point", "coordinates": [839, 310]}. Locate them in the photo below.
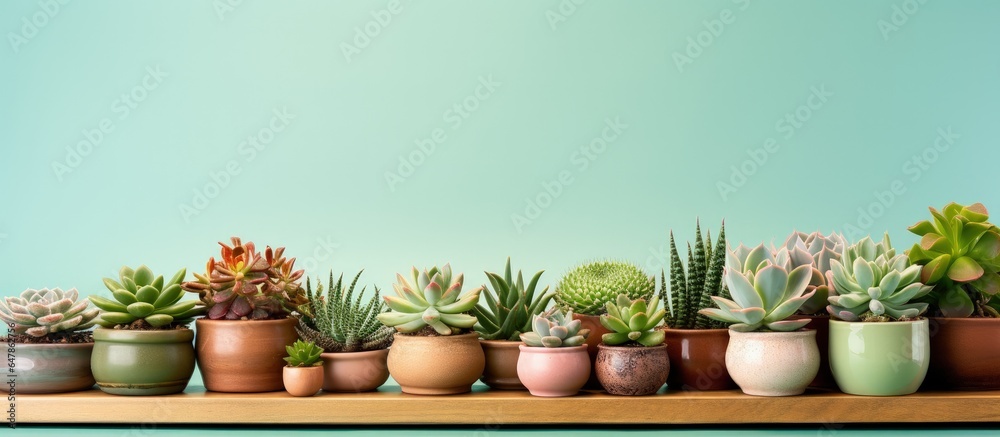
{"type": "Point", "coordinates": [47, 313]}
{"type": "Point", "coordinates": [339, 322]}
{"type": "Point", "coordinates": [587, 288]}
{"type": "Point", "coordinates": [432, 300]}
{"type": "Point", "coordinates": [510, 305]}
{"type": "Point", "coordinates": [144, 301]}
{"type": "Point", "coordinates": [554, 329]}
{"type": "Point", "coordinates": [633, 321]}
{"type": "Point", "coordinates": [692, 288]}
{"type": "Point", "coordinates": [876, 284]}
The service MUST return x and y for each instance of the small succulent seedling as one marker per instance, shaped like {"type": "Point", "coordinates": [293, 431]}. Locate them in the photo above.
{"type": "Point", "coordinates": [303, 354]}
{"type": "Point", "coordinates": [554, 329]}
{"type": "Point", "coordinates": [633, 322]}
{"type": "Point", "coordinates": [586, 289]}
{"type": "Point", "coordinates": [432, 299]}
{"type": "Point", "coordinates": [338, 322]}
{"type": "Point", "coordinates": [511, 306]}
{"type": "Point", "coordinates": [141, 296]}
{"type": "Point", "coordinates": [45, 312]}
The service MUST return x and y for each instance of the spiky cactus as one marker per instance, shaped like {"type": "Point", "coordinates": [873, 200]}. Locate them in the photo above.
{"type": "Point", "coordinates": [45, 312]}
{"type": "Point", "coordinates": [587, 288]}
{"type": "Point", "coordinates": [763, 298]}
{"type": "Point", "coordinates": [633, 322]}
{"type": "Point", "coordinates": [692, 288]}
{"type": "Point", "coordinates": [338, 322]}
{"type": "Point", "coordinates": [144, 301]}
{"type": "Point", "coordinates": [303, 354]}
{"type": "Point", "coordinates": [432, 300]}
{"type": "Point", "coordinates": [552, 328]}
{"type": "Point", "coordinates": [875, 284]}
{"type": "Point", "coordinates": [511, 306]}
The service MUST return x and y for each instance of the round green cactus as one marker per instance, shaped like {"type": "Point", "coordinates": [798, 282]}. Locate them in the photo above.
{"type": "Point", "coordinates": [39, 313]}
{"type": "Point", "coordinates": [588, 288]}
{"type": "Point", "coordinates": [142, 296]}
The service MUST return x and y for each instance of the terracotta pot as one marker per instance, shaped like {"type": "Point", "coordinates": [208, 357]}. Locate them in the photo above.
{"type": "Point", "coordinates": [436, 365]}
{"type": "Point", "coordinates": [52, 368]}
{"type": "Point", "coordinates": [553, 371]}
{"type": "Point", "coordinates": [142, 363]}
{"type": "Point", "coordinates": [243, 356]}
{"type": "Point", "coordinates": [632, 371]}
{"type": "Point", "coordinates": [302, 381]}
{"type": "Point", "coordinates": [965, 354]}
{"type": "Point", "coordinates": [355, 372]}
{"type": "Point", "coordinates": [597, 330]}
{"type": "Point", "coordinates": [879, 358]}
{"type": "Point", "coordinates": [698, 359]}
{"type": "Point", "coordinates": [773, 363]}
{"type": "Point", "coordinates": [501, 364]}
{"type": "Point", "coordinates": [820, 324]}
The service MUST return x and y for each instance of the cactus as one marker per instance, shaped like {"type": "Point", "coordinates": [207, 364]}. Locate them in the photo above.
{"type": "Point", "coordinates": [339, 323]}
{"type": "Point", "coordinates": [46, 313]}
{"type": "Point", "coordinates": [960, 257]}
{"type": "Point", "coordinates": [762, 298]}
{"type": "Point", "coordinates": [511, 306]}
{"type": "Point", "coordinates": [303, 354]}
{"type": "Point", "coordinates": [587, 288]}
{"type": "Point", "coordinates": [143, 301]}
{"type": "Point", "coordinates": [244, 285]}
{"type": "Point", "coordinates": [631, 321]}
{"type": "Point", "coordinates": [434, 303]}
{"type": "Point", "coordinates": [876, 284]}
{"type": "Point", "coordinates": [691, 289]}
{"type": "Point", "coordinates": [554, 329]}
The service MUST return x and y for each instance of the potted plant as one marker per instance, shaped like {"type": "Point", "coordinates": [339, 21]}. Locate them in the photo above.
{"type": "Point", "coordinates": [696, 344]}
{"type": "Point", "coordinates": [768, 355]}
{"type": "Point", "coordinates": [510, 309]}
{"type": "Point", "coordinates": [144, 345]}
{"type": "Point", "coordinates": [303, 376]}
{"type": "Point", "coordinates": [355, 344]}
{"type": "Point", "coordinates": [959, 252]}
{"type": "Point", "coordinates": [554, 360]}
{"type": "Point", "coordinates": [632, 359]}
{"type": "Point", "coordinates": [52, 346]}
{"type": "Point", "coordinates": [878, 344]}
{"type": "Point", "coordinates": [435, 350]}
{"type": "Point", "coordinates": [586, 290]}
{"type": "Point", "coordinates": [250, 298]}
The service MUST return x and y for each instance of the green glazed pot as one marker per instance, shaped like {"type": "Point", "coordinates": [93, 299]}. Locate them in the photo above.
{"type": "Point", "coordinates": [52, 368]}
{"type": "Point", "coordinates": [142, 362]}
{"type": "Point", "coordinates": [879, 359]}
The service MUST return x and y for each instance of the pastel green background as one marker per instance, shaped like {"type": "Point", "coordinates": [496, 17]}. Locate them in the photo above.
{"type": "Point", "coordinates": [320, 187]}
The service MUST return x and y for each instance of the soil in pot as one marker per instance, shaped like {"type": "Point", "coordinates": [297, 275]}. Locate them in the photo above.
{"type": "Point", "coordinates": [57, 364]}
{"type": "Point", "coordinates": [501, 364]}
{"type": "Point", "coordinates": [142, 363]}
{"type": "Point", "coordinates": [632, 370]}
{"type": "Point", "coordinates": [698, 359]}
{"type": "Point", "coordinates": [302, 381]}
{"type": "Point", "coordinates": [355, 372]}
{"type": "Point", "coordinates": [243, 356]}
{"type": "Point", "coordinates": [597, 330]}
{"type": "Point", "coordinates": [555, 371]}
{"type": "Point", "coordinates": [879, 358]}
{"type": "Point", "coordinates": [773, 363]}
{"type": "Point", "coordinates": [436, 364]}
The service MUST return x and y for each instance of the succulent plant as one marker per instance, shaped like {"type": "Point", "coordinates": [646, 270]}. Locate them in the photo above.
{"type": "Point", "coordinates": [762, 298]}
{"type": "Point", "coordinates": [303, 354]}
{"type": "Point", "coordinates": [959, 250]}
{"type": "Point", "coordinates": [45, 312]}
{"type": "Point", "coordinates": [633, 321]}
{"type": "Point", "coordinates": [511, 306]}
{"type": "Point", "coordinates": [691, 289]}
{"type": "Point", "coordinates": [338, 322]}
{"type": "Point", "coordinates": [587, 288]}
{"type": "Point", "coordinates": [874, 283]}
{"type": "Point", "coordinates": [819, 251]}
{"type": "Point", "coordinates": [431, 300]}
{"type": "Point", "coordinates": [552, 328]}
{"type": "Point", "coordinates": [245, 285]}
{"type": "Point", "coordinates": [140, 296]}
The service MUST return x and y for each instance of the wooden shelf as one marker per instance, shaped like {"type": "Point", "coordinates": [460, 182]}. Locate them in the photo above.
{"type": "Point", "coordinates": [491, 407]}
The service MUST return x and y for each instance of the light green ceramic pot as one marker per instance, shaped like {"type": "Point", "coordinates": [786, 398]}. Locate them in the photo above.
{"type": "Point", "coordinates": [879, 359]}
{"type": "Point", "coordinates": [142, 362]}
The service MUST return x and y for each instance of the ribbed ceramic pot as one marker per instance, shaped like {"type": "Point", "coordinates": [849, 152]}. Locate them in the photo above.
{"type": "Point", "coordinates": [553, 371]}
{"type": "Point", "coordinates": [966, 354]}
{"type": "Point", "coordinates": [772, 363]}
{"type": "Point", "coordinates": [501, 364]}
{"type": "Point", "coordinates": [879, 358]}
{"type": "Point", "coordinates": [52, 368]}
{"type": "Point", "coordinates": [436, 365]}
{"type": "Point", "coordinates": [597, 330]}
{"type": "Point", "coordinates": [142, 363]}
{"type": "Point", "coordinates": [632, 370]}
{"type": "Point", "coordinates": [243, 356]}
{"type": "Point", "coordinates": [698, 359]}
{"type": "Point", "coordinates": [302, 381]}
{"type": "Point", "coordinates": [355, 372]}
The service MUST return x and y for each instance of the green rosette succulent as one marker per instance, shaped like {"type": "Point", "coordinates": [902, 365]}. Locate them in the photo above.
{"type": "Point", "coordinates": [510, 305]}
{"type": "Point", "coordinates": [876, 284]}
{"type": "Point", "coordinates": [552, 328]}
{"type": "Point", "coordinates": [303, 354]}
{"type": "Point", "coordinates": [45, 312]}
{"type": "Point", "coordinates": [692, 288]}
{"type": "Point", "coordinates": [633, 322]}
{"type": "Point", "coordinates": [139, 296]}
{"type": "Point", "coordinates": [432, 299]}
{"type": "Point", "coordinates": [587, 288]}
{"type": "Point", "coordinates": [959, 252]}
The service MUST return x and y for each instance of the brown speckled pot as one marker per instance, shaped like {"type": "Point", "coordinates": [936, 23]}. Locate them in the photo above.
{"type": "Point", "coordinates": [632, 370]}
{"type": "Point", "coordinates": [821, 324]}
{"type": "Point", "coordinates": [773, 363]}
{"type": "Point", "coordinates": [436, 365]}
{"type": "Point", "coordinates": [243, 356]}
{"type": "Point", "coordinates": [965, 354]}
{"type": "Point", "coordinates": [355, 372]}
{"type": "Point", "coordinates": [597, 330]}
{"type": "Point", "coordinates": [501, 364]}
{"type": "Point", "coordinates": [302, 381]}
{"type": "Point", "coordinates": [698, 359]}
{"type": "Point", "coordinates": [52, 368]}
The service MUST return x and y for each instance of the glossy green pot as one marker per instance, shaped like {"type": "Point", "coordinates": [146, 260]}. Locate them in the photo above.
{"type": "Point", "coordinates": [142, 362]}
{"type": "Point", "coordinates": [879, 359]}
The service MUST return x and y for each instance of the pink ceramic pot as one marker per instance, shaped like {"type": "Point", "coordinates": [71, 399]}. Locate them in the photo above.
{"type": "Point", "coordinates": [553, 371]}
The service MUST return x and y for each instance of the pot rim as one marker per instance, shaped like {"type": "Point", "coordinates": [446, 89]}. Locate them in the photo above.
{"type": "Point", "coordinates": [54, 345]}
{"type": "Point", "coordinates": [453, 337]}
{"type": "Point", "coordinates": [500, 343]}
{"type": "Point", "coordinates": [205, 320]}
{"type": "Point", "coordinates": [896, 323]}
{"type": "Point", "coordinates": [303, 368]}
{"type": "Point", "coordinates": [801, 332]}
{"type": "Point", "coordinates": [703, 332]}
{"type": "Point", "coordinates": [552, 350]}
{"type": "Point", "coordinates": [598, 316]}
{"type": "Point", "coordinates": [143, 336]}
{"type": "Point", "coordinates": [354, 354]}
{"type": "Point", "coordinates": [969, 320]}
{"type": "Point", "coordinates": [628, 348]}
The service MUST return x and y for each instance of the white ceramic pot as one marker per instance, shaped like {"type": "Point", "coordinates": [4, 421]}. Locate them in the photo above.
{"type": "Point", "coordinates": [772, 363]}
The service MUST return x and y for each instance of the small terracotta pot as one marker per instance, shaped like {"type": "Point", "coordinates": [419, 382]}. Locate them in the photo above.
{"type": "Point", "coordinates": [243, 356]}
{"type": "Point", "coordinates": [773, 363]}
{"type": "Point", "coordinates": [355, 372]}
{"type": "Point", "coordinates": [436, 365]}
{"type": "Point", "coordinates": [142, 363]}
{"type": "Point", "coordinates": [965, 354]}
{"type": "Point", "coordinates": [597, 330]}
{"type": "Point", "coordinates": [501, 364]}
{"type": "Point", "coordinates": [632, 371]}
{"type": "Point", "coordinates": [52, 368]}
{"type": "Point", "coordinates": [698, 359]}
{"type": "Point", "coordinates": [820, 324]}
{"type": "Point", "coordinates": [553, 371]}
{"type": "Point", "coordinates": [302, 381]}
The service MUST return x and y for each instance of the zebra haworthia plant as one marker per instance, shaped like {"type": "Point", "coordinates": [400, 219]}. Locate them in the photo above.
{"type": "Point", "coordinates": [555, 329]}
{"type": "Point", "coordinates": [431, 300]}
{"type": "Point", "coordinates": [692, 288]}
{"type": "Point", "coordinates": [338, 322]}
